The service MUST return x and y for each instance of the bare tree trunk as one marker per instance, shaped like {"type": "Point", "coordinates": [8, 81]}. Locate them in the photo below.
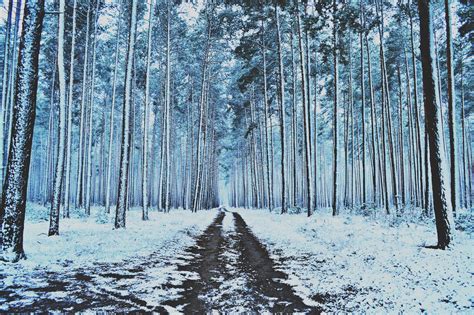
{"type": "Point", "coordinates": [306, 123]}
{"type": "Point", "coordinates": [58, 179]}
{"type": "Point", "coordinates": [265, 100]}
{"type": "Point", "coordinates": [441, 194]}
{"type": "Point", "coordinates": [293, 126]}
{"type": "Point", "coordinates": [281, 99]}
{"type": "Point", "coordinates": [466, 165]}
{"type": "Point", "coordinates": [12, 210]}
{"type": "Point", "coordinates": [401, 137]}
{"type": "Point", "coordinates": [112, 114]}
{"type": "Point", "coordinates": [335, 111]}
{"type": "Point", "coordinates": [146, 114]}
{"type": "Point", "coordinates": [362, 87]}
{"type": "Point", "coordinates": [168, 107]}
{"type": "Point", "coordinates": [91, 115]}
{"type": "Point", "coordinates": [125, 148]}
{"type": "Point", "coordinates": [417, 116]}
{"type": "Point", "coordinates": [80, 151]}
{"type": "Point", "coordinates": [453, 152]}
{"type": "Point", "coordinates": [372, 122]}
{"type": "Point", "coordinates": [67, 180]}
{"type": "Point", "coordinates": [4, 86]}
{"type": "Point", "coordinates": [197, 184]}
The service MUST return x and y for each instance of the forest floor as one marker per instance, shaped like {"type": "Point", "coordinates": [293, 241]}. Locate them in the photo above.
{"type": "Point", "coordinates": [237, 260]}
{"type": "Point", "coordinates": [373, 263]}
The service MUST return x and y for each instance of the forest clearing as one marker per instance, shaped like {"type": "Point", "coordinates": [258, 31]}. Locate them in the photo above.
{"type": "Point", "coordinates": [271, 156]}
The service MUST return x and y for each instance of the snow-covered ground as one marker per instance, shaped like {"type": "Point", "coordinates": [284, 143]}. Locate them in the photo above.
{"type": "Point", "coordinates": [89, 243]}
{"type": "Point", "coordinates": [354, 263]}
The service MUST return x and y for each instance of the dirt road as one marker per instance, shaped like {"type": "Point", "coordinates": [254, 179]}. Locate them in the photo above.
{"type": "Point", "coordinates": [234, 272]}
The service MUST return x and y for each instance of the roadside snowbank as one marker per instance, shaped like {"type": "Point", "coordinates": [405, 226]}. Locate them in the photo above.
{"type": "Point", "coordinates": [353, 263]}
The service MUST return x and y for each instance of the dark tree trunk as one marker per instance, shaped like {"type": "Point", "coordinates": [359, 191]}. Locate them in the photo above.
{"type": "Point", "coordinates": [439, 179]}
{"type": "Point", "coordinates": [16, 180]}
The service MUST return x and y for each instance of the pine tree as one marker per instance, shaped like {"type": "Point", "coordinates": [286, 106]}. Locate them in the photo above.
{"type": "Point", "coordinates": [440, 182]}
{"type": "Point", "coordinates": [24, 105]}
{"type": "Point", "coordinates": [122, 204]}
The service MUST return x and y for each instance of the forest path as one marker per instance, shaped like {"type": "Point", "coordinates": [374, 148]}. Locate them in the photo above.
{"type": "Point", "coordinates": [236, 273]}
{"type": "Point", "coordinates": [228, 269]}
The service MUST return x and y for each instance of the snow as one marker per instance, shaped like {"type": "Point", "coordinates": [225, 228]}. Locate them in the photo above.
{"type": "Point", "coordinates": [85, 242]}
{"type": "Point", "coordinates": [353, 263]}
{"type": "Point", "coordinates": [85, 245]}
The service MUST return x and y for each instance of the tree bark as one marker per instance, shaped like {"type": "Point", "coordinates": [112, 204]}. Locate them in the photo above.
{"type": "Point", "coordinates": [335, 110]}
{"type": "Point", "coordinates": [281, 99]}
{"type": "Point", "coordinates": [24, 107]}
{"type": "Point", "coordinates": [441, 194]}
{"type": "Point", "coordinates": [306, 123]}
{"type": "Point", "coordinates": [146, 114]}
{"type": "Point", "coordinates": [58, 179]}
{"type": "Point", "coordinates": [451, 108]}
{"type": "Point", "coordinates": [120, 213]}
{"type": "Point", "coordinates": [67, 180]}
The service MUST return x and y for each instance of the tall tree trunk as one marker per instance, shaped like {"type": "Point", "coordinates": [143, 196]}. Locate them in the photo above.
{"type": "Point", "coordinates": [294, 135]}
{"type": "Point", "coordinates": [306, 123]}
{"type": "Point", "coordinates": [12, 210]}
{"type": "Point", "coordinates": [146, 114]}
{"type": "Point", "coordinates": [197, 182]}
{"type": "Point", "coordinates": [372, 122]}
{"type": "Point", "coordinates": [67, 180]}
{"type": "Point", "coordinates": [417, 115]}
{"type": "Point", "coordinates": [388, 109]}
{"type": "Point", "coordinates": [11, 88]}
{"type": "Point", "coordinates": [281, 99]}
{"type": "Point", "coordinates": [466, 166]}
{"type": "Point", "coordinates": [91, 114]}
{"type": "Point", "coordinates": [58, 178]}
{"type": "Point", "coordinates": [335, 110]}
{"type": "Point", "coordinates": [112, 114]}
{"type": "Point", "coordinates": [125, 148]}
{"type": "Point", "coordinates": [401, 137]}
{"type": "Point", "coordinates": [5, 82]}
{"type": "Point", "coordinates": [265, 100]}
{"type": "Point", "coordinates": [80, 152]}
{"type": "Point", "coordinates": [451, 108]}
{"type": "Point", "coordinates": [439, 180]}
{"type": "Point", "coordinates": [362, 87]}
{"type": "Point", "coordinates": [168, 107]}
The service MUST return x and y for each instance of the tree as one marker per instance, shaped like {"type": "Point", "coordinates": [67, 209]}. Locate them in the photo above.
{"type": "Point", "coordinates": [306, 122]}
{"type": "Point", "coordinates": [112, 112]}
{"type": "Point", "coordinates": [58, 179]}
{"type": "Point", "coordinates": [451, 109]}
{"type": "Point", "coordinates": [441, 194]}
{"type": "Point", "coordinates": [67, 180]}
{"type": "Point", "coordinates": [24, 103]}
{"type": "Point", "coordinates": [120, 212]}
{"type": "Point", "coordinates": [335, 111]}
{"type": "Point", "coordinates": [281, 100]}
{"type": "Point", "coordinates": [5, 82]}
{"type": "Point", "coordinates": [146, 118]}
